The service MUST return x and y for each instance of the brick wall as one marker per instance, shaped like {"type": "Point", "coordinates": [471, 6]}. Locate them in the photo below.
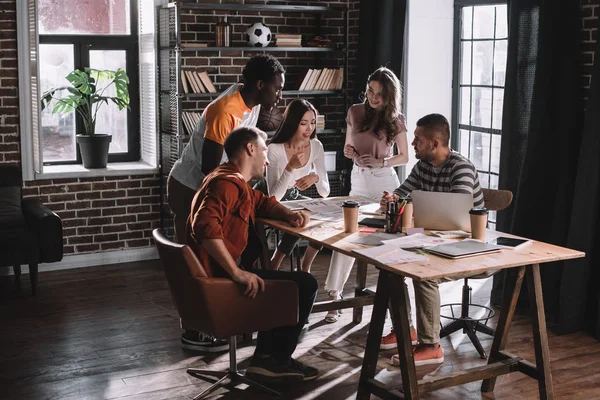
{"type": "Point", "coordinates": [589, 30]}
{"type": "Point", "coordinates": [103, 214]}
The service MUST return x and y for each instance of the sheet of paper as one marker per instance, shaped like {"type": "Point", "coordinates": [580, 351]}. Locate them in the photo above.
{"type": "Point", "coordinates": [417, 241]}
{"type": "Point", "coordinates": [295, 204]}
{"type": "Point", "coordinates": [322, 206]}
{"type": "Point", "coordinates": [374, 239]}
{"type": "Point", "coordinates": [458, 234]}
{"type": "Point", "coordinates": [328, 216]}
{"type": "Point", "coordinates": [371, 209]}
{"type": "Point", "coordinates": [390, 254]}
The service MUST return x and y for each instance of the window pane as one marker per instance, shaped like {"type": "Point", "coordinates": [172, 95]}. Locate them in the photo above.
{"type": "Point", "coordinates": [483, 57]}
{"type": "Point", "coordinates": [58, 130]}
{"type": "Point", "coordinates": [498, 104]}
{"type": "Point", "coordinates": [481, 114]}
{"type": "Point", "coordinates": [110, 120]}
{"type": "Point", "coordinates": [92, 17]}
{"type": "Point", "coordinates": [483, 22]}
{"type": "Point", "coordinates": [463, 141]}
{"type": "Point", "coordinates": [493, 182]}
{"type": "Point", "coordinates": [495, 167]}
{"type": "Point", "coordinates": [484, 180]}
{"type": "Point", "coordinates": [500, 62]}
{"type": "Point", "coordinates": [467, 22]}
{"type": "Point", "coordinates": [465, 65]}
{"type": "Point", "coordinates": [501, 21]}
{"type": "Point", "coordinates": [480, 150]}
{"type": "Point", "coordinates": [465, 105]}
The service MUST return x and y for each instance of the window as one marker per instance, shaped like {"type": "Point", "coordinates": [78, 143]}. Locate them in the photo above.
{"type": "Point", "coordinates": [101, 36]}
{"type": "Point", "coordinates": [480, 45]}
{"type": "Point", "coordinates": [56, 36]}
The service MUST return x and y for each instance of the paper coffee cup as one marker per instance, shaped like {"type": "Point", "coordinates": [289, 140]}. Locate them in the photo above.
{"type": "Point", "coordinates": [479, 217]}
{"type": "Point", "coordinates": [350, 208]}
{"type": "Point", "coordinates": [407, 215]}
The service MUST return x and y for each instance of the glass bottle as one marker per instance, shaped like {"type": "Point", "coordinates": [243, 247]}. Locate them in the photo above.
{"type": "Point", "coordinates": [222, 31]}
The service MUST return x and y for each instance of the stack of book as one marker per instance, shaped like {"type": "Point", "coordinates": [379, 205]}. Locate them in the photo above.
{"type": "Point", "coordinates": [190, 119]}
{"type": "Point", "coordinates": [320, 122]}
{"type": "Point", "coordinates": [323, 79]}
{"type": "Point", "coordinates": [289, 40]}
{"type": "Point", "coordinates": [196, 82]}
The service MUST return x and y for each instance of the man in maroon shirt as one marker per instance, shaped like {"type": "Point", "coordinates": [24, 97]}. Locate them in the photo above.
{"type": "Point", "coordinates": [220, 229]}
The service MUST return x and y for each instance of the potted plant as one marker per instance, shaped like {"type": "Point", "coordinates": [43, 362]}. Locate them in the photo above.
{"type": "Point", "coordinates": [86, 96]}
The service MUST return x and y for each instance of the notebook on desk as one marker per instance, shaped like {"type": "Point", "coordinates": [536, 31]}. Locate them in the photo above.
{"type": "Point", "coordinates": [466, 248]}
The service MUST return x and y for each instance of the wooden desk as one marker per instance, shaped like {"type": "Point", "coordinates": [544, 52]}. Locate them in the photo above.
{"type": "Point", "coordinates": [524, 262]}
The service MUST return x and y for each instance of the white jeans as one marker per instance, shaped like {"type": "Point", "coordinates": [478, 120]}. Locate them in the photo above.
{"type": "Point", "coordinates": [368, 182]}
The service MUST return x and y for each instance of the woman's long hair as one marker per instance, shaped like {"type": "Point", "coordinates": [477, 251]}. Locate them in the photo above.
{"type": "Point", "coordinates": [291, 120]}
{"type": "Point", "coordinates": [388, 116]}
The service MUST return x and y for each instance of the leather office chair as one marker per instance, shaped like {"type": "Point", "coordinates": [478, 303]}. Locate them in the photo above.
{"type": "Point", "coordinates": [218, 306]}
{"type": "Point", "coordinates": [30, 233]}
{"type": "Point", "coordinates": [495, 200]}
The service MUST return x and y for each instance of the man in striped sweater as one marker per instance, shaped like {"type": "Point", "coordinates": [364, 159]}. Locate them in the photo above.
{"type": "Point", "coordinates": [439, 169]}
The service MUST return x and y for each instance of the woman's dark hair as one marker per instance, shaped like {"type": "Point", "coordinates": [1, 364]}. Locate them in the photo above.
{"type": "Point", "coordinates": [291, 120]}
{"type": "Point", "coordinates": [262, 67]}
{"type": "Point", "coordinates": [388, 116]}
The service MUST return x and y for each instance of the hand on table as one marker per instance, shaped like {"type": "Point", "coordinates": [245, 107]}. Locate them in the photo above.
{"type": "Point", "coordinates": [306, 181]}
{"type": "Point", "coordinates": [386, 198]}
{"type": "Point", "coordinates": [297, 219]}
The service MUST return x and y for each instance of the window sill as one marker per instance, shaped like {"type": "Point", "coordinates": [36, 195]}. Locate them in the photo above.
{"type": "Point", "coordinates": [113, 169]}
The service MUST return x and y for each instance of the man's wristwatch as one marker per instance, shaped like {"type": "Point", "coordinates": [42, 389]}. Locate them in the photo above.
{"type": "Point", "coordinates": [385, 162]}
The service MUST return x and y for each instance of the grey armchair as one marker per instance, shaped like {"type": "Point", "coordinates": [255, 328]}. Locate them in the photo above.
{"type": "Point", "coordinates": [30, 233]}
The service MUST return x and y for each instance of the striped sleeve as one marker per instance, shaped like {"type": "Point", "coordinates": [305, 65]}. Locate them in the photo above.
{"type": "Point", "coordinates": [412, 182]}
{"type": "Point", "coordinates": [464, 179]}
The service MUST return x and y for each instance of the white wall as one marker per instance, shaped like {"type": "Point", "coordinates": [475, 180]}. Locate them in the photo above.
{"type": "Point", "coordinates": [428, 70]}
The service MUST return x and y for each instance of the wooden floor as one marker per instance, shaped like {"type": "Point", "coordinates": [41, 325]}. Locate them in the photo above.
{"type": "Point", "coordinates": [111, 332]}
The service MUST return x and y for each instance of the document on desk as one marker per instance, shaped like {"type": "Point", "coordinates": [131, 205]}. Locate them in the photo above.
{"type": "Point", "coordinates": [328, 216]}
{"type": "Point", "coordinates": [295, 204]}
{"type": "Point", "coordinates": [375, 239]}
{"type": "Point", "coordinates": [322, 206]}
{"type": "Point", "coordinates": [417, 241]}
{"type": "Point", "coordinates": [371, 209]}
{"type": "Point", "coordinates": [390, 254]}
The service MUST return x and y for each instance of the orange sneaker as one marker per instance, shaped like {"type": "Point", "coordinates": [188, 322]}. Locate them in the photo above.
{"type": "Point", "coordinates": [424, 355]}
{"type": "Point", "coordinates": [388, 342]}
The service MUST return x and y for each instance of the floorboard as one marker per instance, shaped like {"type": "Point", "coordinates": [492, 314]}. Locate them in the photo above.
{"type": "Point", "coordinates": [111, 332]}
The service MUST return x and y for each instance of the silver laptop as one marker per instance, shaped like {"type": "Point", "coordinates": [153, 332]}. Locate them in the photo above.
{"type": "Point", "coordinates": [441, 210]}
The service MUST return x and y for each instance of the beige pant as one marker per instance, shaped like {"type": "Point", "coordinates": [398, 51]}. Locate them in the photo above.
{"type": "Point", "coordinates": [427, 309]}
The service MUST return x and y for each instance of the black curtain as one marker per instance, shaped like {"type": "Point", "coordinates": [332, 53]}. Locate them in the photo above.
{"type": "Point", "coordinates": [380, 39]}
{"type": "Point", "coordinates": [555, 184]}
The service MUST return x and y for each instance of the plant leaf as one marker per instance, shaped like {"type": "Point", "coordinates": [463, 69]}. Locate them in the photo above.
{"type": "Point", "coordinates": [121, 83]}
{"type": "Point", "coordinates": [81, 81]}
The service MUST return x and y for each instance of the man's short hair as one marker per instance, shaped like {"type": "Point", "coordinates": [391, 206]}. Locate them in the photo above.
{"type": "Point", "coordinates": [262, 67]}
{"type": "Point", "coordinates": [239, 138]}
{"type": "Point", "coordinates": [436, 126]}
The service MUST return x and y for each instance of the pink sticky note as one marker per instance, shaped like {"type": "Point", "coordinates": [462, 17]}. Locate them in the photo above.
{"type": "Point", "coordinates": [368, 230]}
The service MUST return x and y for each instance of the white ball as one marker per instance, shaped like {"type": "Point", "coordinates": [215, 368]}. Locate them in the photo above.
{"type": "Point", "coordinates": [258, 35]}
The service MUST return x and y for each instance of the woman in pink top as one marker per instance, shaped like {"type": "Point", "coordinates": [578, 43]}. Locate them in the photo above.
{"type": "Point", "coordinates": [373, 128]}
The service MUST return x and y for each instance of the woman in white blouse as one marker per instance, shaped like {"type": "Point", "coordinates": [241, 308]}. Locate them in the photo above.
{"type": "Point", "coordinates": [296, 162]}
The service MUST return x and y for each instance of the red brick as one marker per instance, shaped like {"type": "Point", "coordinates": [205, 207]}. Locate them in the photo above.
{"type": "Point", "coordinates": [114, 228]}
{"type": "Point", "coordinates": [104, 185]}
{"type": "Point", "coordinates": [80, 239]}
{"type": "Point", "coordinates": [99, 221]}
{"type": "Point", "coordinates": [88, 196]}
{"type": "Point", "coordinates": [138, 243]}
{"type": "Point", "coordinates": [62, 197]}
{"type": "Point", "coordinates": [92, 212]}
{"type": "Point", "coordinates": [111, 194]}
{"type": "Point", "coordinates": [131, 235]}
{"type": "Point", "coordinates": [128, 201]}
{"type": "Point", "coordinates": [87, 248]}
{"type": "Point", "coordinates": [114, 211]}
{"type": "Point", "coordinates": [106, 238]}
{"type": "Point", "coordinates": [124, 218]}
{"type": "Point", "coordinates": [78, 205]}
{"type": "Point", "coordinates": [112, 245]}
{"type": "Point", "coordinates": [128, 184]}
{"type": "Point", "coordinates": [89, 230]}
{"type": "Point", "coordinates": [103, 203]}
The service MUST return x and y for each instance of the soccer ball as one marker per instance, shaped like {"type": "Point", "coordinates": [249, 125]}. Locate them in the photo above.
{"type": "Point", "coordinates": [258, 35]}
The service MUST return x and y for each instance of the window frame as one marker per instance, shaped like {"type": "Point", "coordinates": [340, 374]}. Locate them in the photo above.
{"type": "Point", "coordinates": [29, 100]}
{"type": "Point", "coordinates": [82, 45]}
{"type": "Point", "coordinates": [456, 88]}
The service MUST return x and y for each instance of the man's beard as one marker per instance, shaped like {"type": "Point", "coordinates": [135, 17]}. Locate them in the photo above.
{"type": "Point", "coordinates": [424, 157]}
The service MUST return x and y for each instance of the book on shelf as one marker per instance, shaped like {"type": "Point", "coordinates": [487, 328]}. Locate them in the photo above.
{"type": "Point", "coordinates": [197, 82]}
{"type": "Point", "coordinates": [323, 79]}
{"type": "Point", "coordinates": [190, 119]}
{"type": "Point", "coordinates": [192, 44]}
